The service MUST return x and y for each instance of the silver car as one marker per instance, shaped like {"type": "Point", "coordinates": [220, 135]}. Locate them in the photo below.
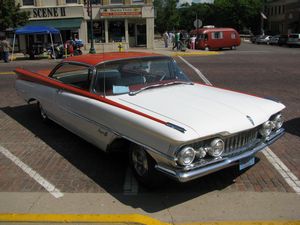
{"type": "Point", "coordinates": [293, 40]}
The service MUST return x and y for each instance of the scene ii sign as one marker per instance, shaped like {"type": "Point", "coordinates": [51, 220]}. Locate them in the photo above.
{"type": "Point", "coordinates": [48, 12]}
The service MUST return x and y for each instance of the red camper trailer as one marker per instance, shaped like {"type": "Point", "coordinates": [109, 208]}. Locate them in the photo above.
{"type": "Point", "coordinates": [216, 38]}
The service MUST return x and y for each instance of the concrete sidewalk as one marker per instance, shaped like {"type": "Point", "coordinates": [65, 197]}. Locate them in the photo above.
{"type": "Point", "coordinates": [213, 206]}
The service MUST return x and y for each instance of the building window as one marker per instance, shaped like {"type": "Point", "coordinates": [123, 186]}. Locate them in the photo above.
{"type": "Point", "coordinates": [137, 1]}
{"type": "Point", "coordinates": [116, 1]}
{"type": "Point", "coordinates": [28, 2]}
{"type": "Point", "coordinates": [116, 31]}
{"type": "Point", "coordinates": [98, 31]}
{"type": "Point", "coordinates": [71, 1]}
{"type": "Point", "coordinates": [96, 2]}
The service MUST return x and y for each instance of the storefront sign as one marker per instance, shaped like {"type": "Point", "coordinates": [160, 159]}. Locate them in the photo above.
{"type": "Point", "coordinates": [48, 12]}
{"type": "Point", "coordinates": [121, 12]}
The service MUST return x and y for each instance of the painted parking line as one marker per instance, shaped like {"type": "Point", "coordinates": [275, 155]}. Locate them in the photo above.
{"type": "Point", "coordinates": [284, 171]}
{"type": "Point", "coordinates": [281, 168]}
{"type": "Point", "coordinates": [130, 186]}
{"type": "Point", "coordinates": [121, 218]}
{"type": "Point", "coordinates": [32, 173]}
{"type": "Point", "coordinates": [195, 53]}
{"type": "Point", "coordinates": [7, 73]}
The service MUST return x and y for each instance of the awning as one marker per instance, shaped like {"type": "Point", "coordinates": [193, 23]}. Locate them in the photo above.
{"type": "Point", "coordinates": [61, 24]}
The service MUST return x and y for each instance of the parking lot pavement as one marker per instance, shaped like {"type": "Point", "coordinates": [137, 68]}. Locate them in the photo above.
{"type": "Point", "coordinates": [94, 182]}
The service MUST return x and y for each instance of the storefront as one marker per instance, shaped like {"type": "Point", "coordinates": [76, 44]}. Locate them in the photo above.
{"type": "Point", "coordinates": [131, 24]}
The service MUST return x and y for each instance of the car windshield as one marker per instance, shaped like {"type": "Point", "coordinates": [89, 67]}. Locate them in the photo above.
{"type": "Point", "coordinates": [131, 76]}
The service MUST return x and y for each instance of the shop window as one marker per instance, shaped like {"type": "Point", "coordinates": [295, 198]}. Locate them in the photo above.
{"type": "Point", "coordinates": [96, 2]}
{"type": "Point", "coordinates": [98, 31]}
{"type": "Point", "coordinates": [28, 2]}
{"type": "Point", "coordinates": [137, 1]}
{"type": "Point", "coordinates": [71, 1]}
{"type": "Point", "coordinates": [116, 1]}
{"type": "Point", "coordinates": [116, 31]}
{"type": "Point", "coordinates": [217, 35]}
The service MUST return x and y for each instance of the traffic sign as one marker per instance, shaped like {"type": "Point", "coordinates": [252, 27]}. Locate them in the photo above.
{"type": "Point", "coordinates": [197, 23]}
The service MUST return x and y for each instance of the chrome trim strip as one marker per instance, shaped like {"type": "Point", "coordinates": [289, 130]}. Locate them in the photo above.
{"type": "Point", "coordinates": [184, 176]}
{"type": "Point", "coordinates": [120, 135]}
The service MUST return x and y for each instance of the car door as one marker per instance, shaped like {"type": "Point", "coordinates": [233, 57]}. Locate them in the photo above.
{"type": "Point", "coordinates": [73, 107]}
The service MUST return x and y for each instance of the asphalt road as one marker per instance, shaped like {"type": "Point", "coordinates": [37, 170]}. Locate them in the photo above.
{"type": "Point", "coordinates": [96, 182]}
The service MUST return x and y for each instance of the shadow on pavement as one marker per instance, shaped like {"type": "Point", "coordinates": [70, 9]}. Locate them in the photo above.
{"type": "Point", "coordinates": [108, 171]}
{"type": "Point", "coordinates": [293, 126]}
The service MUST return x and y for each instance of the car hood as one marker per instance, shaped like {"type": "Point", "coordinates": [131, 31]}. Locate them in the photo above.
{"type": "Point", "coordinates": [204, 109]}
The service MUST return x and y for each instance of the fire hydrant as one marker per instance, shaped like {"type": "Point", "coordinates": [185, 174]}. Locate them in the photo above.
{"type": "Point", "coordinates": [120, 46]}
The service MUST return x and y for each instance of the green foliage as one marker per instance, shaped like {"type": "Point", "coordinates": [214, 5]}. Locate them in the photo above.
{"type": "Point", "coordinates": [10, 15]}
{"type": "Point", "coordinates": [167, 15]}
{"type": "Point", "coordinates": [238, 14]}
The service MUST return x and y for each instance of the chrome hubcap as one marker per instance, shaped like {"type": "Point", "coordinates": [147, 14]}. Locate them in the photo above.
{"type": "Point", "coordinates": [139, 160]}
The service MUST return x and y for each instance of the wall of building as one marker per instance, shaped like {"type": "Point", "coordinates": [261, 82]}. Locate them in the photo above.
{"type": "Point", "coordinates": [131, 22]}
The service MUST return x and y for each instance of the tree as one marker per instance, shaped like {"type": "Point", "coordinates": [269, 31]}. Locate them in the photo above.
{"type": "Point", "coordinates": [10, 15]}
{"type": "Point", "coordinates": [167, 15]}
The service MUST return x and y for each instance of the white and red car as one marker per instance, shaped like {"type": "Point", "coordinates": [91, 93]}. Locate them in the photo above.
{"type": "Point", "coordinates": [145, 103]}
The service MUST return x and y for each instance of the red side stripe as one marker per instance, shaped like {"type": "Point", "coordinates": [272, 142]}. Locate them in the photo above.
{"type": "Point", "coordinates": [37, 78]}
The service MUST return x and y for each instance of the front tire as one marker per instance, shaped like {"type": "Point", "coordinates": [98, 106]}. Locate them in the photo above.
{"type": "Point", "coordinates": [143, 167]}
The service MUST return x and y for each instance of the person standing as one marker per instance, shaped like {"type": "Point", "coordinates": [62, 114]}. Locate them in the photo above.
{"type": "Point", "coordinates": [166, 38]}
{"type": "Point", "coordinates": [5, 47]}
{"type": "Point", "coordinates": [193, 41]}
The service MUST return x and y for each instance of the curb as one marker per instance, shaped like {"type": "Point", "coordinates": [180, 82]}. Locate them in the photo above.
{"type": "Point", "coordinates": [121, 218]}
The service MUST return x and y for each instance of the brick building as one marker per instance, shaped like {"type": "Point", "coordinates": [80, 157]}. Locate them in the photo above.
{"type": "Point", "coordinates": [283, 16]}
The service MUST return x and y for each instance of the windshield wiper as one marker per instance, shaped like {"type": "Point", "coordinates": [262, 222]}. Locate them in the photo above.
{"type": "Point", "coordinates": [160, 85]}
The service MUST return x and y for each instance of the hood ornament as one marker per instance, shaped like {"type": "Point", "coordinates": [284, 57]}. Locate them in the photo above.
{"type": "Point", "coordinates": [251, 120]}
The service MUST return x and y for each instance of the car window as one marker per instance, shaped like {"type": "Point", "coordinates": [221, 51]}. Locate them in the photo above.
{"type": "Point", "coordinates": [217, 35]}
{"type": "Point", "coordinates": [124, 76]}
{"type": "Point", "coordinates": [74, 74]}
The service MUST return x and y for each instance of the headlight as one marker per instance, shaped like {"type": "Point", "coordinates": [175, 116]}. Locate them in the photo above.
{"type": "Point", "coordinates": [266, 129]}
{"type": "Point", "coordinates": [216, 147]}
{"type": "Point", "coordinates": [186, 156]}
{"type": "Point", "coordinates": [278, 121]}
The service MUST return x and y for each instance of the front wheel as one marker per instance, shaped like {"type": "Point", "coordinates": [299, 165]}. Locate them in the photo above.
{"type": "Point", "coordinates": [143, 166]}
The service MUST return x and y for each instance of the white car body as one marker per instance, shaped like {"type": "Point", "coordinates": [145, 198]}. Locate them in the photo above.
{"type": "Point", "coordinates": [192, 113]}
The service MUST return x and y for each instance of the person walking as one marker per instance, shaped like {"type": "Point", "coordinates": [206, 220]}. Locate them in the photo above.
{"type": "Point", "coordinates": [166, 38]}
{"type": "Point", "coordinates": [177, 40]}
{"type": "Point", "coordinates": [5, 47]}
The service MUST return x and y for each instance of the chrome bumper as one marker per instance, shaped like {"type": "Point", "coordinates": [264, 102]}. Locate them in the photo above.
{"type": "Point", "coordinates": [184, 176]}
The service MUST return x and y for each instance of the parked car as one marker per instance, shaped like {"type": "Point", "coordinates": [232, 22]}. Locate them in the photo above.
{"type": "Point", "coordinates": [263, 39]}
{"type": "Point", "coordinates": [145, 103]}
{"type": "Point", "coordinates": [282, 39]}
{"type": "Point", "coordinates": [216, 38]}
{"type": "Point", "coordinates": [274, 40]}
{"type": "Point", "coordinates": [293, 40]}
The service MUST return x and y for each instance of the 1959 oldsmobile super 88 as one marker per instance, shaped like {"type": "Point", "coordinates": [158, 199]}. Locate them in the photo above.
{"type": "Point", "coordinates": [172, 126]}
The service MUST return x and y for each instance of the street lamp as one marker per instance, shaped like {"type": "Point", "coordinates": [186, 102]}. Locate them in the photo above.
{"type": "Point", "coordinates": [90, 13]}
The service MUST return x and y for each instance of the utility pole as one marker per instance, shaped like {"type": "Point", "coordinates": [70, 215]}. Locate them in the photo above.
{"type": "Point", "coordinates": [90, 14]}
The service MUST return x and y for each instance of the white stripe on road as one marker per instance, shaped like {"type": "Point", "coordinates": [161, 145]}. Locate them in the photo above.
{"type": "Point", "coordinates": [130, 186]}
{"type": "Point", "coordinates": [32, 173]}
{"type": "Point", "coordinates": [284, 171]}
{"type": "Point", "coordinates": [281, 168]}
{"type": "Point", "coordinates": [206, 81]}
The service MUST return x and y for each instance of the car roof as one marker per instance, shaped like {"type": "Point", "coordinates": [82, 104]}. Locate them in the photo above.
{"type": "Point", "coordinates": [94, 59]}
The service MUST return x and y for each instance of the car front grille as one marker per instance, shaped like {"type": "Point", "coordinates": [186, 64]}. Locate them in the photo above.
{"type": "Point", "coordinates": [236, 143]}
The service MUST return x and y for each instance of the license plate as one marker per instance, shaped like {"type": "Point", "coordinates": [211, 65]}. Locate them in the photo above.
{"type": "Point", "coordinates": [244, 163]}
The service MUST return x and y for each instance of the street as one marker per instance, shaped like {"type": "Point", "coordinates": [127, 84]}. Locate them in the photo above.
{"type": "Point", "coordinates": [94, 182]}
